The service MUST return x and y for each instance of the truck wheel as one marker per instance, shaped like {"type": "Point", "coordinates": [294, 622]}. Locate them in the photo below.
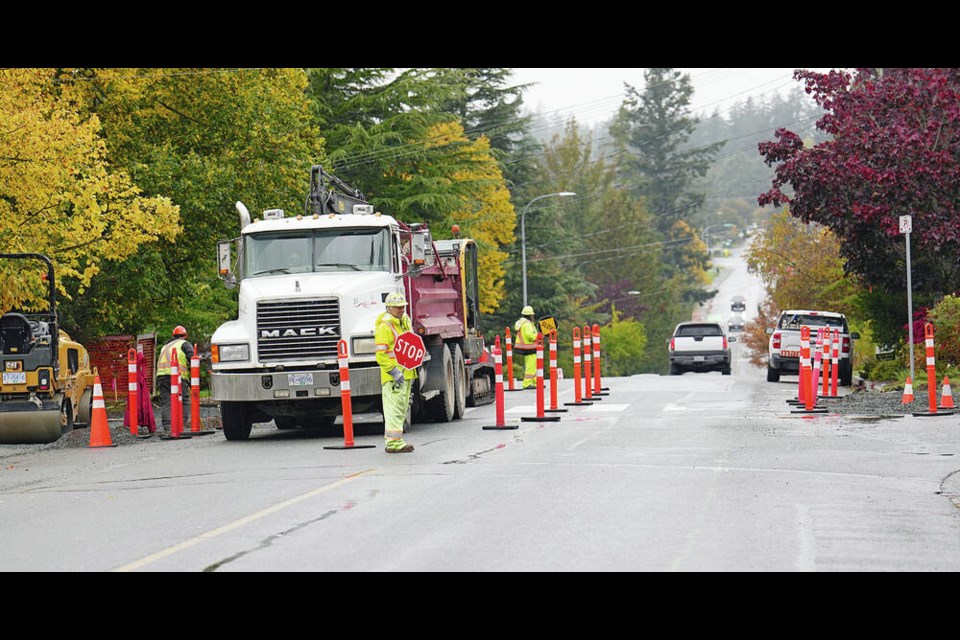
{"type": "Point", "coordinates": [725, 371]}
{"type": "Point", "coordinates": [236, 419]}
{"type": "Point", "coordinates": [846, 375]}
{"type": "Point", "coordinates": [675, 371]}
{"type": "Point", "coordinates": [773, 375]}
{"type": "Point", "coordinates": [442, 407]}
{"type": "Point", "coordinates": [459, 383]}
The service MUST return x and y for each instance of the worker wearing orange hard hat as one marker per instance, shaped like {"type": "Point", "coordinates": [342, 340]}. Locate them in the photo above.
{"type": "Point", "coordinates": [181, 349]}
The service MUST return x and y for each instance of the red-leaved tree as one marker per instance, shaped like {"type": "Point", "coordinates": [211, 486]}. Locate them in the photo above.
{"type": "Point", "coordinates": [894, 150]}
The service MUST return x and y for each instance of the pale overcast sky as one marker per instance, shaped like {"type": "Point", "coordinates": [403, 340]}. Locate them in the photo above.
{"type": "Point", "coordinates": [594, 94]}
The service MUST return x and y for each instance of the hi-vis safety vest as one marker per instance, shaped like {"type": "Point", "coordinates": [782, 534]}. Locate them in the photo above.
{"type": "Point", "coordinates": [526, 335]}
{"type": "Point", "coordinates": [163, 366]}
{"type": "Point", "coordinates": [387, 328]}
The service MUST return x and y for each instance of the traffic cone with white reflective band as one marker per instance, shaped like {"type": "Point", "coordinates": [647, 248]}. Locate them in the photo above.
{"type": "Point", "coordinates": [907, 392]}
{"type": "Point", "coordinates": [946, 397]}
{"type": "Point", "coordinates": [99, 428]}
{"type": "Point", "coordinates": [553, 375]}
{"type": "Point", "coordinates": [577, 401]}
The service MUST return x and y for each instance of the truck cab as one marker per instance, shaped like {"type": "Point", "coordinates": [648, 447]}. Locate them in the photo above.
{"type": "Point", "coordinates": [308, 282]}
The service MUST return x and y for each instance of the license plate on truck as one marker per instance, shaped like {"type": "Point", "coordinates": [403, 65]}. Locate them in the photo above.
{"type": "Point", "coordinates": [300, 379]}
{"type": "Point", "coordinates": [789, 354]}
{"type": "Point", "coordinates": [16, 377]}
{"type": "Point", "coordinates": [698, 358]}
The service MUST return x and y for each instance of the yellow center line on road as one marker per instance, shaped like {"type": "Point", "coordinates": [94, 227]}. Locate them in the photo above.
{"type": "Point", "coordinates": [209, 535]}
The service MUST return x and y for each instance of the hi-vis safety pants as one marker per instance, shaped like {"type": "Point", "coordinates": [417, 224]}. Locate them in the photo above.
{"type": "Point", "coordinates": [395, 403]}
{"type": "Point", "coordinates": [530, 371]}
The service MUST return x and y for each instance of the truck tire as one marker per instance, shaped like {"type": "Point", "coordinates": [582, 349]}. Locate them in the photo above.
{"type": "Point", "coordinates": [845, 374]}
{"type": "Point", "coordinates": [773, 375]}
{"type": "Point", "coordinates": [675, 370]}
{"type": "Point", "coordinates": [459, 383]}
{"type": "Point", "coordinates": [725, 371]}
{"type": "Point", "coordinates": [237, 420]}
{"type": "Point", "coordinates": [442, 407]}
{"type": "Point", "coordinates": [285, 422]}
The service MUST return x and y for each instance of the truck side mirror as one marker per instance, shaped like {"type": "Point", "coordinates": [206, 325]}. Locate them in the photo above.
{"type": "Point", "coordinates": [223, 264]}
{"type": "Point", "coordinates": [855, 335]}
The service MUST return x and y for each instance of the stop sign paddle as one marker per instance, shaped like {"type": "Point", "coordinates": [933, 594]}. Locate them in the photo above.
{"type": "Point", "coordinates": [408, 350]}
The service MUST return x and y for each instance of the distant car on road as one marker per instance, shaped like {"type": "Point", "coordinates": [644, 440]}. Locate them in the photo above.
{"type": "Point", "coordinates": [738, 303]}
{"type": "Point", "coordinates": [699, 346]}
{"type": "Point", "coordinates": [735, 323]}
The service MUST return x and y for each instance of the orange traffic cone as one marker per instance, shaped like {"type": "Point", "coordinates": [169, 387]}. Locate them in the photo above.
{"type": "Point", "coordinates": [946, 399]}
{"type": "Point", "coordinates": [907, 392]}
{"type": "Point", "coordinates": [99, 429]}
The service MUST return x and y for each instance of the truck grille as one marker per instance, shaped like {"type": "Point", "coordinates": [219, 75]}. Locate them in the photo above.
{"type": "Point", "coordinates": [301, 330]}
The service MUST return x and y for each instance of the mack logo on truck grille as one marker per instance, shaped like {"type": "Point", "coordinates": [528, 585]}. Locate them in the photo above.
{"type": "Point", "coordinates": [298, 330]}
{"type": "Point", "coordinates": [306, 331]}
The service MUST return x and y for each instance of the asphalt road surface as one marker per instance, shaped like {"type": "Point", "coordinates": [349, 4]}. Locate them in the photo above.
{"type": "Point", "coordinates": [699, 472]}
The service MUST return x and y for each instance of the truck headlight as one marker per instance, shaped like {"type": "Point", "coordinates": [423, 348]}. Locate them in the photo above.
{"type": "Point", "coordinates": [364, 346]}
{"type": "Point", "coordinates": [231, 352]}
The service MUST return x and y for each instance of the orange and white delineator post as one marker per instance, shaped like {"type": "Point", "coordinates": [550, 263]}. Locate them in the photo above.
{"type": "Point", "coordinates": [577, 398]}
{"type": "Point", "coordinates": [195, 391]}
{"type": "Point", "coordinates": [509, 371]}
{"type": "Point", "coordinates": [931, 376]}
{"type": "Point", "coordinates": [588, 364]}
{"type": "Point", "coordinates": [346, 402]}
{"type": "Point", "coordinates": [807, 381]}
{"type": "Point", "coordinates": [598, 389]}
{"type": "Point", "coordinates": [836, 362]}
{"type": "Point", "coordinates": [133, 400]}
{"type": "Point", "coordinates": [826, 364]}
{"type": "Point", "coordinates": [540, 417]}
{"type": "Point", "coordinates": [176, 406]}
{"type": "Point", "coordinates": [498, 373]}
{"type": "Point", "coordinates": [553, 374]}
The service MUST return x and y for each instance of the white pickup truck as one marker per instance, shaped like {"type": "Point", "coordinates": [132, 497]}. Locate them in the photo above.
{"type": "Point", "coordinates": [699, 346]}
{"type": "Point", "coordinates": [783, 350]}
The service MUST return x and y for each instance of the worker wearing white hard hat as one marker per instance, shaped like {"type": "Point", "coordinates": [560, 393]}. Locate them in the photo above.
{"type": "Point", "coordinates": [395, 380]}
{"type": "Point", "coordinates": [526, 346]}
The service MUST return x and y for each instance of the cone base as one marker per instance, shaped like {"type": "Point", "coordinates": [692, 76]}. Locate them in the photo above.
{"type": "Point", "coordinates": [577, 404]}
{"type": "Point", "coordinates": [540, 419]}
{"type": "Point", "coordinates": [182, 436]}
{"type": "Point", "coordinates": [555, 410]}
{"type": "Point", "coordinates": [351, 446]}
{"type": "Point", "coordinates": [600, 393]}
{"type": "Point", "coordinates": [814, 410]}
{"type": "Point", "coordinates": [101, 446]}
{"type": "Point", "coordinates": [199, 433]}
{"type": "Point", "coordinates": [928, 413]}
{"type": "Point", "coordinates": [501, 427]}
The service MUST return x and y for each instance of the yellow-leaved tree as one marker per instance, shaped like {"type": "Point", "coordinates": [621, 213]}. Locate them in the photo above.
{"type": "Point", "coordinates": [59, 196]}
{"type": "Point", "coordinates": [486, 213]}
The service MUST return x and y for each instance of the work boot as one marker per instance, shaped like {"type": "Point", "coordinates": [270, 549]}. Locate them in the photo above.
{"type": "Point", "coordinates": [398, 446]}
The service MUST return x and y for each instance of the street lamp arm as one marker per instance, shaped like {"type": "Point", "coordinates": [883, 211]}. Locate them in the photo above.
{"type": "Point", "coordinates": [523, 234]}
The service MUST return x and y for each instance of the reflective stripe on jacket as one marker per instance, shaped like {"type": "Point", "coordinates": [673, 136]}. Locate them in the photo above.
{"type": "Point", "coordinates": [183, 362]}
{"type": "Point", "coordinates": [386, 330]}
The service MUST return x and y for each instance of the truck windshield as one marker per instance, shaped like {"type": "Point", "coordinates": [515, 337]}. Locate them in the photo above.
{"type": "Point", "coordinates": [280, 252]}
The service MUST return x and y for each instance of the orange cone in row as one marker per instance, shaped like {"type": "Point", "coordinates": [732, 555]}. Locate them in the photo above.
{"type": "Point", "coordinates": [946, 398]}
{"type": "Point", "coordinates": [907, 392]}
{"type": "Point", "coordinates": [99, 429]}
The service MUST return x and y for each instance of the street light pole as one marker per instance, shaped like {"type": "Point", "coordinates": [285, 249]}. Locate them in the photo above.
{"type": "Point", "coordinates": [523, 235]}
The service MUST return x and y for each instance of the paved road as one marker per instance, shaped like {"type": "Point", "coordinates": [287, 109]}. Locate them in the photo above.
{"type": "Point", "coordinates": [699, 472]}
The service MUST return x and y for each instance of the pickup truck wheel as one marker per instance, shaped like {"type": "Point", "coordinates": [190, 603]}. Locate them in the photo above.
{"type": "Point", "coordinates": [237, 420]}
{"type": "Point", "coordinates": [675, 371]}
{"type": "Point", "coordinates": [726, 371]}
{"type": "Point", "coordinates": [773, 375]}
{"type": "Point", "coordinates": [845, 376]}
{"type": "Point", "coordinates": [442, 407]}
{"type": "Point", "coordinates": [459, 383]}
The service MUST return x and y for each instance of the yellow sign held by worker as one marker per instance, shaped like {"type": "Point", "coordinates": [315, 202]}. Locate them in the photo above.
{"type": "Point", "coordinates": [547, 325]}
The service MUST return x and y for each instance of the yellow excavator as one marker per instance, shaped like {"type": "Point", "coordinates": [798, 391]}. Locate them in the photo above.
{"type": "Point", "coordinates": [47, 384]}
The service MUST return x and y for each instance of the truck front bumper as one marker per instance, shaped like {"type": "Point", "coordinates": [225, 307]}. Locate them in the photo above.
{"type": "Point", "coordinates": [227, 386]}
